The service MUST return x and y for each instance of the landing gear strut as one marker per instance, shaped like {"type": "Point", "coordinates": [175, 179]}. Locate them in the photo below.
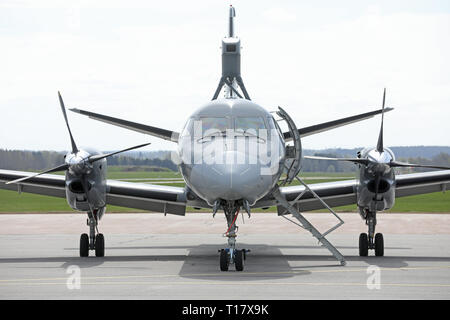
{"type": "Point", "coordinates": [93, 241]}
{"type": "Point", "coordinates": [371, 240]}
{"type": "Point", "coordinates": [231, 255]}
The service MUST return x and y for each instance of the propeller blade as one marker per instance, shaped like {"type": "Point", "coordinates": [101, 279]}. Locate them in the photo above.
{"type": "Point", "coordinates": [85, 186]}
{"type": "Point", "coordinates": [63, 108]}
{"type": "Point", "coordinates": [58, 168]}
{"type": "Point", "coordinates": [102, 156]}
{"type": "Point", "coordinates": [354, 160]}
{"type": "Point", "coordinates": [394, 164]}
{"type": "Point", "coordinates": [380, 148]}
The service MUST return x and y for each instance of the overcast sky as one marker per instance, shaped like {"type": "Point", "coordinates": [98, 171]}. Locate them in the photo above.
{"type": "Point", "coordinates": [156, 62]}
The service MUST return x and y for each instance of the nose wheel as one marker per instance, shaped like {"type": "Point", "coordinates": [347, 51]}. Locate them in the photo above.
{"type": "Point", "coordinates": [224, 260]}
{"type": "Point", "coordinates": [229, 256]}
{"type": "Point", "coordinates": [239, 260]}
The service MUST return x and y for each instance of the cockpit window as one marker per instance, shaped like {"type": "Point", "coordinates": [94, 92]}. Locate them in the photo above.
{"type": "Point", "coordinates": [211, 125]}
{"type": "Point", "coordinates": [246, 123]}
{"type": "Point", "coordinates": [274, 125]}
{"type": "Point", "coordinates": [187, 128]}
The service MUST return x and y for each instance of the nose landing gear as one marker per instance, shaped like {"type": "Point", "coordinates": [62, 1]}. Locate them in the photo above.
{"type": "Point", "coordinates": [231, 255]}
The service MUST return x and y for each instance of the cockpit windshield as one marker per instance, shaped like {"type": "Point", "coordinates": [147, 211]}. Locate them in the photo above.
{"type": "Point", "coordinates": [214, 125]}
{"type": "Point", "coordinates": [220, 126]}
{"type": "Point", "coordinates": [244, 124]}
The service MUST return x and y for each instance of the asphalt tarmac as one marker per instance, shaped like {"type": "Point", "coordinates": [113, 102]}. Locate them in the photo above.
{"type": "Point", "coordinates": [149, 256]}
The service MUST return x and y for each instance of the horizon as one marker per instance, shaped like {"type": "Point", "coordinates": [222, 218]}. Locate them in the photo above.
{"type": "Point", "coordinates": [168, 150]}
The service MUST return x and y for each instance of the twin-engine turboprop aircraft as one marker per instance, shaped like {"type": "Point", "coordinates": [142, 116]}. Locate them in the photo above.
{"type": "Point", "coordinates": [232, 155]}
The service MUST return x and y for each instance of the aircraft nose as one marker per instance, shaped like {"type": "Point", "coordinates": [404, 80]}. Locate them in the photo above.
{"type": "Point", "coordinates": [241, 180]}
{"type": "Point", "coordinates": [231, 180]}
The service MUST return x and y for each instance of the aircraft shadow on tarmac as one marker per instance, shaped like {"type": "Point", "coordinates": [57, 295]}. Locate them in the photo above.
{"type": "Point", "coordinates": [202, 261]}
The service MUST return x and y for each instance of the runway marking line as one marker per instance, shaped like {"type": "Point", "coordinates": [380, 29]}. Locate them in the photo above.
{"type": "Point", "coordinates": [430, 285]}
{"type": "Point", "coordinates": [224, 274]}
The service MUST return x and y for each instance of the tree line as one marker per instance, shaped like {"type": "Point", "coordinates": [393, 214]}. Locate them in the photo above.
{"type": "Point", "coordinates": [41, 160]}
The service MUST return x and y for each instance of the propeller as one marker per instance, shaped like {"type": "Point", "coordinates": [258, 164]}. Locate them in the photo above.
{"type": "Point", "coordinates": [380, 147]}
{"type": "Point", "coordinates": [379, 167]}
{"type": "Point", "coordinates": [77, 164]}
{"type": "Point", "coordinates": [63, 109]}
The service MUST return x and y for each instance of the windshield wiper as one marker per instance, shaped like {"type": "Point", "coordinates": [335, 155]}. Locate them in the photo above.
{"type": "Point", "coordinates": [250, 134]}
{"type": "Point", "coordinates": [213, 134]}
{"type": "Point", "coordinates": [224, 132]}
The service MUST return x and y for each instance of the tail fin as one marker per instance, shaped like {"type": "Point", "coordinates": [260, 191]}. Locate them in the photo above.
{"type": "Point", "coordinates": [231, 25]}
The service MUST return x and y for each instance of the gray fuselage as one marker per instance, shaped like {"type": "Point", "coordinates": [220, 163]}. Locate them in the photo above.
{"type": "Point", "coordinates": [231, 150]}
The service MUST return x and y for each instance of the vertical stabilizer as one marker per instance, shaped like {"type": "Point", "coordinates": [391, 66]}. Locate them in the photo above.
{"type": "Point", "coordinates": [231, 63]}
{"type": "Point", "coordinates": [231, 24]}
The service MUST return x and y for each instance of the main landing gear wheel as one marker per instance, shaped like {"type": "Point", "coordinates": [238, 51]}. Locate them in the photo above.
{"type": "Point", "coordinates": [224, 260]}
{"type": "Point", "coordinates": [363, 245]}
{"type": "Point", "coordinates": [379, 245]}
{"type": "Point", "coordinates": [100, 245]}
{"type": "Point", "coordinates": [92, 241]}
{"type": "Point", "coordinates": [239, 260]}
{"type": "Point", "coordinates": [84, 245]}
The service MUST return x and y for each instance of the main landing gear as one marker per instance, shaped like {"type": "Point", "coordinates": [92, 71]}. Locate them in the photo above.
{"type": "Point", "coordinates": [231, 255]}
{"type": "Point", "coordinates": [93, 241]}
{"type": "Point", "coordinates": [371, 240]}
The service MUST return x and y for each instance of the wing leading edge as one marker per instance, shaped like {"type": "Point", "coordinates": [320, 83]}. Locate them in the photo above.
{"type": "Point", "coordinates": [142, 128]}
{"type": "Point", "coordinates": [325, 126]}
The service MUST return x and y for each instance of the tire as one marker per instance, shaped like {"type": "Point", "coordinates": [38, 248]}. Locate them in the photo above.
{"type": "Point", "coordinates": [99, 245]}
{"type": "Point", "coordinates": [239, 260]}
{"type": "Point", "coordinates": [363, 245]}
{"type": "Point", "coordinates": [224, 260]}
{"type": "Point", "coordinates": [84, 245]}
{"type": "Point", "coordinates": [379, 245]}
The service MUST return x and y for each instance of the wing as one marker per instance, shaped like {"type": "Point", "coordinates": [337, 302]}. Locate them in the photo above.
{"type": "Point", "coordinates": [343, 193]}
{"type": "Point", "coordinates": [142, 128]}
{"type": "Point", "coordinates": [419, 183]}
{"type": "Point", "coordinates": [143, 196]}
{"type": "Point", "coordinates": [325, 126]}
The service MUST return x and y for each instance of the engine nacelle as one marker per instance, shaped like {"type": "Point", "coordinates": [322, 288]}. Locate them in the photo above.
{"type": "Point", "coordinates": [96, 185]}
